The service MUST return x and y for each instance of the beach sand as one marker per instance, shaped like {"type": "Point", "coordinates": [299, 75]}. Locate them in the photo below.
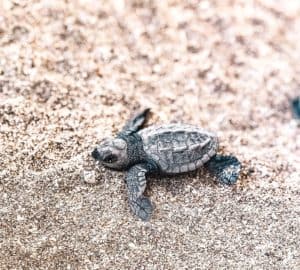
{"type": "Point", "coordinates": [73, 72]}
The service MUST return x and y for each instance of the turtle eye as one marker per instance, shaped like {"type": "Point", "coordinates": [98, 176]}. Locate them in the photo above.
{"type": "Point", "coordinates": [110, 159]}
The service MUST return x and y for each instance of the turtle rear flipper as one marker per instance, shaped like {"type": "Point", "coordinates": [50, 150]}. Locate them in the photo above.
{"type": "Point", "coordinates": [225, 168]}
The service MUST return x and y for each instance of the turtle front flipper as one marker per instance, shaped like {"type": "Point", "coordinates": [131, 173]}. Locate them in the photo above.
{"type": "Point", "coordinates": [225, 168]}
{"type": "Point", "coordinates": [136, 185]}
{"type": "Point", "coordinates": [136, 123]}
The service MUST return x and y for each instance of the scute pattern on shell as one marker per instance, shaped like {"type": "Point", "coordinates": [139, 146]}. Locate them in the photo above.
{"type": "Point", "coordinates": [178, 148]}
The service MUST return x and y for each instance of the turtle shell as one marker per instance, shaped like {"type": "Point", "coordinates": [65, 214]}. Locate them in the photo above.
{"type": "Point", "coordinates": [178, 148]}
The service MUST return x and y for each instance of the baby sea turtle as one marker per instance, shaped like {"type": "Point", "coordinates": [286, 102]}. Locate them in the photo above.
{"type": "Point", "coordinates": [166, 149]}
{"type": "Point", "coordinates": [296, 107]}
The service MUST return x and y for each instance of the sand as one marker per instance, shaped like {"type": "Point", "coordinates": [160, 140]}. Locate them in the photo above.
{"type": "Point", "coordinates": [72, 72]}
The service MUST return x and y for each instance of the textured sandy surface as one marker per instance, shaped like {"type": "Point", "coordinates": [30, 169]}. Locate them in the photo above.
{"type": "Point", "coordinates": [72, 72]}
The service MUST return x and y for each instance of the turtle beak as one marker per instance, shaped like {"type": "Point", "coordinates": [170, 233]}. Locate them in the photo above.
{"type": "Point", "coordinates": [96, 154]}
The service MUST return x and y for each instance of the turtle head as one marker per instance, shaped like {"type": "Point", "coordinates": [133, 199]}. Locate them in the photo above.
{"type": "Point", "coordinates": [112, 153]}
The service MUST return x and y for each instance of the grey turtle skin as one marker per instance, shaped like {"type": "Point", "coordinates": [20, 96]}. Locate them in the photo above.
{"type": "Point", "coordinates": [166, 149]}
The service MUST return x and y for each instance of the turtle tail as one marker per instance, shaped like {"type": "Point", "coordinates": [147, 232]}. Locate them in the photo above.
{"type": "Point", "coordinates": [225, 168]}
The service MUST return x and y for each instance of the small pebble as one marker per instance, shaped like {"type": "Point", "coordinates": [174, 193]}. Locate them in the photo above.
{"type": "Point", "coordinates": [88, 177]}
